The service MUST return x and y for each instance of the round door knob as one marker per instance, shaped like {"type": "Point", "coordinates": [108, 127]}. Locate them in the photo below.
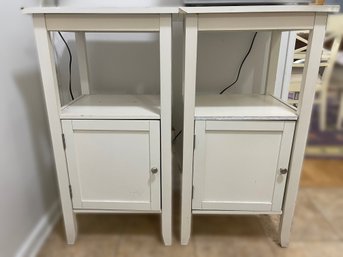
{"type": "Point", "coordinates": [154, 170]}
{"type": "Point", "coordinates": [283, 171]}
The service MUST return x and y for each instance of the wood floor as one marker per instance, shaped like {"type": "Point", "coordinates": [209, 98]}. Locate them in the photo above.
{"type": "Point", "coordinates": [317, 228]}
{"type": "Point", "coordinates": [322, 173]}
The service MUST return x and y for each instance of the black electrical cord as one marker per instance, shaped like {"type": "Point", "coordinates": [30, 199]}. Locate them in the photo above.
{"type": "Point", "coordinates": [70, 64]}
{"type": "Point", "coordinates": [240, 67]}
{"type": "Point", "coordinates": [178, 134]}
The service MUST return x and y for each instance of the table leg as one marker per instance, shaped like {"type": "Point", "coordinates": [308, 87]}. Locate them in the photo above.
{"type": "Point", "coordinates": [189, 85]}
{"type": "Point", "coordinates": [53, 104]}
{"type": "Point", "coordinates": [306, 99]}
{"type": "Point", "coordinates": [166, 127]}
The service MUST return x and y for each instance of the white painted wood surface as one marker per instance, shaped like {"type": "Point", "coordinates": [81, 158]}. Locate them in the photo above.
{"type": "Point", "coordinates": [166, 124]}
{"type": "Point", "coordinates": [241, 106]}
{"type": "Point", "coordinates": [117, 211]}
{"type": "Point", "coordinates": [283, 64]}
{"type": "Point", "coordinates": [283, 163]}
{"type": "Point", "coordinates": [262, 9]}
{"type": "Point", "coordinates": [189, 85]}
{"type": "Point", "coordinates": [275, 71]}
{"type": "Point", "coordinates": [288, 65]}
{"type": "Point", "coordinates": [224, 212]}
{"type": "Point", "coordinates": [103, 23]}
{"type": "Point", "coordinates": [52, 99]}
{"type": "Point", "coordinates": [164, 7]}
{"type": "Point", "coordinates": [110, 164]}
{"type": "Point", "coordinates": [131, 107]}
{"type": "Point", "coordinates": [99, 10]}
{"type": "Point", "coordinates": [174, 7]}
{"type": "Point", "coordinates": [301, 131]}
{"type": "Point", "coordinates": [224, 180]}
{"type": "Point", "coordinates": [255, 21]}
{"type": "Point", "coordinates": [82, 57]}
{"type": "Point", "coordinates": [155, 163]}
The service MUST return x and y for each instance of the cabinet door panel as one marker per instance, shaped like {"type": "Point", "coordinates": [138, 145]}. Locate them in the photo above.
{"type": "Point", "coordinates": [110, 164]}
{"type": "Point", "coordinates": [236, 165]}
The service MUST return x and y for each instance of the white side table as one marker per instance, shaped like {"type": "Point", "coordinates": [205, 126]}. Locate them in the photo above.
{"type": "Point", "coordinates": [242, 154]}
{"type": "Point", "coordinates": [112, 153]}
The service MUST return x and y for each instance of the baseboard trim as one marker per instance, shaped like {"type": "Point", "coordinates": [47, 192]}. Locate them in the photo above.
{"type": "Point", "coordinates": [40, 233]}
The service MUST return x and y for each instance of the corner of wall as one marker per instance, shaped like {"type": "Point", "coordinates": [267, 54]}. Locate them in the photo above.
{"type": "Point", "coordinates": [40, 232]}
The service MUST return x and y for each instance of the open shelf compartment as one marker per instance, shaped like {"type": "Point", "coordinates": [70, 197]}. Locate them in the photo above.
{"type": "Point", "coordinates": [242, 107]}
{"type": "Point", "coordinates": [126, 107]}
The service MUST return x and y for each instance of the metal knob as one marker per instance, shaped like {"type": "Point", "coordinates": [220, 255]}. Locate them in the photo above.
{"type": "Point", "coordinates": [283, 171]}
{"type": "Point", "coordinates": [154, 170]}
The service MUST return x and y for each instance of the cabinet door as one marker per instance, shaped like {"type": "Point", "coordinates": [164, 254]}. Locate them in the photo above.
{"type": "Point", "coordinates": [237, 164]}
{"type": "Point", "coordinates": [110, 164]}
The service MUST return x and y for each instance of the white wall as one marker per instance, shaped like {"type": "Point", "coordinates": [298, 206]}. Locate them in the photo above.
{"type": "Point", "coordinates": [27, 182]}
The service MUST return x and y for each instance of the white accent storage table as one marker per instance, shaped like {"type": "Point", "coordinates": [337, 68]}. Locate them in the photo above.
{"type": "Point", "coordinates": [242, 154]}
{"type": "Point", "coordinates": [112, 152]}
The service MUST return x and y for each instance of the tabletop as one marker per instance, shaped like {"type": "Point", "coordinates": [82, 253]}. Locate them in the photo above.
{"type": "Point", "coordinates": [162, 6]}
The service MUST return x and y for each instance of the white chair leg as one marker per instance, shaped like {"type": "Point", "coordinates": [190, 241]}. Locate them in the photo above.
{"type": "Point", "coordinates": [340, 114]}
